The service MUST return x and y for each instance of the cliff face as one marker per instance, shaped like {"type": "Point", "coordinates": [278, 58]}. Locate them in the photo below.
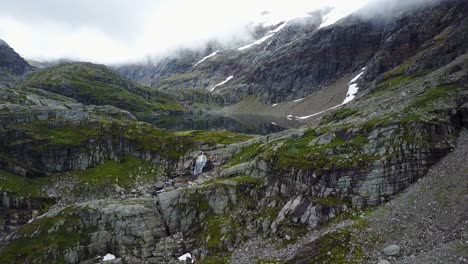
{"type": "Point", "coordinates": [11, 62]}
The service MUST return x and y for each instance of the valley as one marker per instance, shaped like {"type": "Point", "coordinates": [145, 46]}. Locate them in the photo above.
{"type": "Point", "coordinates": [338, 143]}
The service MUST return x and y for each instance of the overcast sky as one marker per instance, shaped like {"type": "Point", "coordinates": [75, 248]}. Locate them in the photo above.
{"type": "Point", "coordinates": [116, 31]}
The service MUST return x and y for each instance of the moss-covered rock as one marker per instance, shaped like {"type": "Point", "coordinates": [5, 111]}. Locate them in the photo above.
{"type": "Point", "coordinates": [96, 84]}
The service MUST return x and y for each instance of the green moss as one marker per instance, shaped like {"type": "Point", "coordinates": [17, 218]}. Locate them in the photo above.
{"type": "Point", "coordinates": [72, 134]}
{"type": "Point", "coordinates": [218, 228]}
{"type": "Point", "coordinates": [298, 153]}
{"type": "Point", "coordinates": [97, 84]}
{"type": "Point", "coordinates": [389, 84]}
{"type": "Point", "coordinates": [214, 260]}
{"type": "Point", "coordinates": [339, 115]}
{"type": "Point", "coordinates": [270, 213]}
{"type": "Point", "coordinates": [294, 230]}
{"type": "Point", "coordinates": [398, 71]}
{"type": "Point", "coordinates": [247, 179]}
{"type": "Point", "coordinates": [23, 186]}
{"type": "Point", "coordinates": [329, 201]}
{"type": "Point", "coordinates": [125, 173]}
{"type": "Point", "coordinates": [333, 248]}
{"type": "Point", "coordinates": [350, 214]}
{"type": "Point", "coordinates": [246, 154]}
{"type": "Point", "coordinates": [433, 95]}
{"type": "Point", "coordinates": [241, 179]}
{"type": "Point", "coordinates": [45, 236]}
{"type": "Point", "coordinates": [269, 261]}
{"type": "Point", "coordinates": [217, 137]}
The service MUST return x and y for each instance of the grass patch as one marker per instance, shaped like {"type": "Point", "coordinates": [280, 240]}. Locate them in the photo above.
{"type": "Point", "coordinates": [434, 95]}
{"type": "Point", "coordinates": [339, 115]}
{"type": "Point", "coordinates": [125, 173]}
{"type": "Point", "coordinates": [390, 84]}
{"type": "Point", "coordinates": [214, 260]}
{"type": "Point", "coordinates": [96, 84]}
{"type": "Point", "coordinates": [333, 248]}
{"type": "Point", "coordinates": [217, 229]}
{"type": "Point", "coordinates": [23, 186]}
{"type": "Point", "coordinates": [298, 153]}
{"type": "Point", "coordinates": [246, 154]}
{"type": "Point", "coordinates": [329, 201]}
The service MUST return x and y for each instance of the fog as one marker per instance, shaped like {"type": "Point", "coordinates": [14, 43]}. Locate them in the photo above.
{"type": "Point", "coordinates": [122, 31]}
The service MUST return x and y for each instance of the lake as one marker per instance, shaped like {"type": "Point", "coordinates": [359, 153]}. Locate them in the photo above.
{"type": "Point", "coordinates": [247, 124]}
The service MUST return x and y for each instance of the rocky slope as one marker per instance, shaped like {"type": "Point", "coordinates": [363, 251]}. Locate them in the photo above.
{"type": "Point", "coordinates": [302, 59]}
{"type": "Point", "coordinates": [92, 84]}
{"type": "Point", "coordinates": [80, 181]}
{"type": "Point", "coordinates": [11, 63]}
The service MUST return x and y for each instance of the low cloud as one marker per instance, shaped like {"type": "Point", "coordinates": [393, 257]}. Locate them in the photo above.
{"type": "Point", "coordinates": [118, 31]}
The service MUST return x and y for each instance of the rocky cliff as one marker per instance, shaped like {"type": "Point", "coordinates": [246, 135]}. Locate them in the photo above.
{"type": "Point", "coordinates": [11, 63]}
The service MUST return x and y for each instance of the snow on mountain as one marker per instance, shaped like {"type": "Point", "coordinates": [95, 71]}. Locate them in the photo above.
{"type": "Point", "coordinates": [257, 42]}
{"type": "Point", "coordinates": [337, 14]}
{"type": "Point", "coordinates": [222, 83]}
{"type": "Point", "coordinates": [108, 257]}
{"type": "Point", "coordinates": [352, 90]}
{"type": "Point", "coordinates": [185, 257]}
{"type": "Point", "coordinates": [207, 57]}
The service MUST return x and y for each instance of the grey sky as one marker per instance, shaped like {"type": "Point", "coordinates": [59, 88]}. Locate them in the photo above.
{"type": "Point", "coordinates": [115, 31]}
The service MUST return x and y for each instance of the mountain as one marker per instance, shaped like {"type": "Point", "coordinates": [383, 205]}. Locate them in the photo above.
{"type": "Point", "coordinates": [376, 173]}
{"type": "Point", "coordinates": [93, 84]}
{"type": "Point", "coordinates": [10, 62]}
{"type": "Point", "coordinates": [306, 61]}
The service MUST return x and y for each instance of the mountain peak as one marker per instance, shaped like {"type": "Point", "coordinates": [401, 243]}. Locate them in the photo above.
{"type": "Point", "coordinates": [3, 43]}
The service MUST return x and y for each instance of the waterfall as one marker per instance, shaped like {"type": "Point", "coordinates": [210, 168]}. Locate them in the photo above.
{"type": "Point", "coordinates": [199, 164]}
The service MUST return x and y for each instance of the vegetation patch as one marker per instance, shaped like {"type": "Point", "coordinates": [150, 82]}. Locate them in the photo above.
{"type": "Point", "coordinates": [96, 84]}
{"type": "Point", "coordinates": [268, 261]}
{"type": "Point", "coordinates": [337, 154]}
{"type": "Point", "coordinates": [217, 229]}
{"type": "Point", "coordinates": [329, 201]}
{"type": "Point", "coordinates": [125, 173]}
{"type": "Point", "coordinates": [23, 186]}
{"type": "Point", "coordinates": [333, 248]}
{"type": "Point", "coordinates": [46, 239]}
{"type": "Point", "coordinates": [433, 95]}
{"type": "Point", "coordinates": [390, 84]}
{"type": "Point", "coordinates": [246, 154]}
{"type": "Point", "coordinates": [338, 115]}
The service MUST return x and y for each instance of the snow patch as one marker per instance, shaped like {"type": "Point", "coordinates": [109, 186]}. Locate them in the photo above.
{"type": "Point", "coordinates": [279, 28]}
{"type": "Point", "coordinates": [274, 105]}
{"type": "Point", "coordinates": [273, 123]}
{"type": "Point", "coordinates": [352, 90]}
{"type": "Point", "coordinates": [309, 116]}
{"type": "Point", "coordinates": [222, 83]}
{"type": "Point", "coordinates": [108, 257]}
{"type": "Point", "coordinates": [207, 57]}
{"type": "Point", "coordinates": [337, 14]}
{"type": "Point", "coordinates": [185, 256]}
{"type": "Point", "coordinates": [270, 34]}
{"type": "Point", "coordinates": [258, 42]}
{"type": "Point", "coordinates": [298, 100]}
{"type": "Point", "coordinates": [37, 217]}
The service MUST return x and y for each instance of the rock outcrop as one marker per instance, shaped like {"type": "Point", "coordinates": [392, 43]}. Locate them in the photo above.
{"type": "Point", "coordinates": [11, 62]}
